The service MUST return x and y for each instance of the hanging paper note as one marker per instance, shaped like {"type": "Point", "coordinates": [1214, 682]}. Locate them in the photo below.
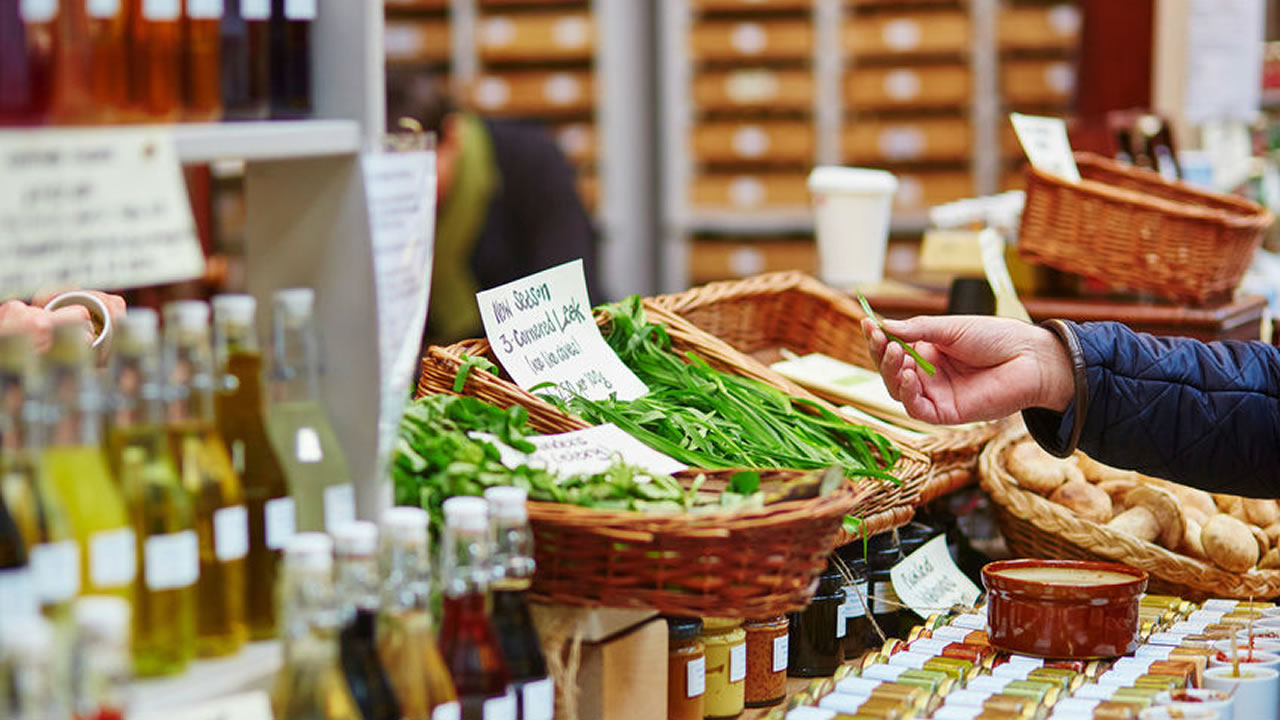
{"type": "Point", "coordinates": [1044, 140]}
{"type": "Point", "coordinates": [928, 582]}
{"type": "Point", "coordinates": [585, 452]}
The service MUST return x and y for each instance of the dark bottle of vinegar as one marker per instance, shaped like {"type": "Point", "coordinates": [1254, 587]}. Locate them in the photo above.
{"type": "Point", "coordinates": [291, 57]}
{"type": "Point", "coordinates": [246, 59]}
{"type": "Point", "coordinates": [356, 545]}
{"type": "Point", "coordinates": [27, 46]}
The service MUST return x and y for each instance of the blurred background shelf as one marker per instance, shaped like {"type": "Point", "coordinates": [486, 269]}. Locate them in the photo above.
{"type": "Point", "coordinates": [253, 668]}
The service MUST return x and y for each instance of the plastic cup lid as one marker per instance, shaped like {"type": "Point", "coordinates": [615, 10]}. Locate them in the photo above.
{"type": "Point", "coordinates": [405, 525]}
{"type": "Point", "coordinates": [466, 513]}
{"type": "Point", "coordinates": [309, 550]}
{"type": "Point", "coordinates": [507, 502]}
{"type": "Point", "coordinates": [296, 301]}
{"type": "Point", "coordinates": [186, 314]}
{"type": "Point", "coordinates": [355, 538]}
{"type": "Point", "coordinates": [836, 179]}
{"type": "Point", "coordinates": [235, 308]}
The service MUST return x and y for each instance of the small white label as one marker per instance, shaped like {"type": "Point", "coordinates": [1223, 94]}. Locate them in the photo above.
{"type": "Point", "coordinates": [102, 8]}
{"type": "Point", "coordinates": [750, 141]}
{"type": "Point", "coordinates": [255, 9]}
{"type": "Point", "coordinates": [280, 522]}
{"type": "Point", "coordinates": [781, 648]}
{"type": "Point", "coordinates": [842, 703]}
{"type": "Point", "coordinates": [749, 87]}
{"type": "Point", "coordinates": [928, 581]}
{"type": "Point", "coordinates": [113, 560]}
{"type": "Point", "coordinates": [928, 645]}
{"type": "Point", "coordinates": [902, 34]}
{"type": "Point", "coordinates": [204, 9]}
{"type": "Point", "coordinates": [447, 711]}
{"type": "Point", "coordinates": [161, 10]}
{"type": "Point", "coordinates": [902, 85]}
{"type": "Point", "coordinates": [17, 593]}
{"type": "Point", "coordinates": [842, 620]}
{"type": "Point", "coordinates": [913, 660]}
{"type": "Point", "coordinates": [749, 38]}
{"type": "Point", "coordinates": [231, 533]}
{"type": "Point", "coordinates": [497, 31]}
{"type": "Point", "coordinates": [562, 89]}
{"type": "Point", "coordinates": [1206, 616]}
{"type": "Point", "coordinates": [38, 11]}
{"type": "Point", "coordinates": [306, 446]}
{"type": "Point", "coordinates": [1225, 605]}
{"type": "Point", "coordinates": [339, 505]}
{"type": "Point", "coordinates": [55, 567]}
{"type": "Point", "coordinates": [746, 192]}
{"type": "Point", "coordinates": [989, 683]}
{"type": "Point", "coordinates": [539, 700]}
{"type": "Point", "coordinates": [855, 599]}
{"type": "Point", "coordinates": [972, 621]}
{"type": "Point", "coordinates": [1045, 141]}
{"type": "Point", "coordinates": [1013, 671]}
{"type": "Point", "coordinates": [1034, 662]}
{"type": "Point", "coordinates": [1079, 705]}
{"type": "Point", "coordinates": [500, 708]}
{"type": "Point", "coordinates": [857, 685]}
{"type": "Point", "coordinates": [1134, 664]}
{"type": "Point", "coordinates": [570, 32]}
{"type": "Point", "coordinates": [696, 677]}
{"type": "Point", "coordinates": [1167, 638]}
{"type": "Point", "coordinates": [300, 9]}
{"type": "Point", "coordinates": [737, 662]}
{"type": "Point", "coordinates": [884, 599]}
{"type": "Point", "coordinates": [951, 633]}
{"type": "Point", "coordinates": [1093, 691]}
{"type": "Point", "coordinates": [1159, 652]}
{"type": "Point", "coordinates": [172, 561]}
{"type": "Point", "coordinates": [881, 671]}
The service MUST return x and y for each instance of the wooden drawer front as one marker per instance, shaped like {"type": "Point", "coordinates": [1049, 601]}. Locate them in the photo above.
{"type": "Point", "coordinates": [1037, 82]}
{"type": "Point", "coordinates": [759, 89]}
{"type": "Point", "coordinates": [711, 260]}
{"type": "Point", "coordinates": [415, 41]}
{"type": "Point", "coordinates": [751, 39]}
{"type": "Point", "coordinates": [746, 192]}
{"type": "Point", "coordinates": [553, 36]}
{"type": "Point", "coordinates": [534, 92]}
{"type": "Point", "coordinates": [930, 139]}
{"type": "Point", "coordinates": [920, 33]}
{"type": "Point", "coordinates": [1053, 27]}
{"type": "Point", "coordinates": [753, 5]}
{"type": "Point", "coordinates": [418, 4]}
{"type": "Point", "coordinates": [754, 142]}
{"type": "Point", "coordinates": [577, 140]}
{"type": "Point", "coordinates": [919, 191]}
{"type": "Point", "coordinates": [907, 87]}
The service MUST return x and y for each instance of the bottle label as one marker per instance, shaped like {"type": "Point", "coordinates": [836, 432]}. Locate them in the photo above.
{"type": "Point", "coordinates": [886, 600]}
{"type": "Point", "coordinates": [781, 647]}
{"type": "Point", "coordinates": [55, 568]}
{"type": "Point", "coordinates": [853, 600]}
{"type": "Point", "coordinates": [306, 446]}
{"type": "Point", "coordinates": [161, 9]}
{"type": "Point", "coordinates": [231, 533]}
{"type": "Point", "coordinates": [172, 561]}
{"type": "Point", "coordinates": [113, 559]}
{"type": "Point", "coordinates": [447, 711]}
{"type": "Point", "coordinates": [258, 10]}
{"type": "Point", "coordinates": [737, 662]}
{"type": "Point", "coordinates": [841, 620]}
{"type": "Point", "coordinates": [280, 522]}
{"type": "Point", "coordinates": [539, 700]}
{"type": "Point", "coordinates": [204, 9]}
{"type": "Point", "coordinates": [102, 8]}
{"type": "Point", "coordinates": [500, 708]}
{"type": "Point", "coordinates": [696, 677]}
{"type": "Point", "coordinates": [300, 9]}
{"type": "Point", "coordinates": [38, 11]}
{"type": "Point", "coordinates": [17, 593]}
{"type": "Point", "coordinates": [339, 505]}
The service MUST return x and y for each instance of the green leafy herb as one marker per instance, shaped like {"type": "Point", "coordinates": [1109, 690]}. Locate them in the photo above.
{"type": "Point", "coordinates": [925, 365]}
{"type": "Point", "coordinates": [468, 362]}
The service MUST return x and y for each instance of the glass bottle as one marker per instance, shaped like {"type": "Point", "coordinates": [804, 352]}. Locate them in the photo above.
{"type": "Point", "coordinates": [314, 465]}
{"type": "Point", "coordinates": [27, 46]}
{"type": "Point", "coordinates": [241, 422]}
{"type": "Point", "coordinates": [467, 637]}
{"type": "Point", "coordinates": [857, 600]}
{"type": "Point", "coordinates": [28, 683]}
{"type": "Point", "coordinates": [815, 634]}
{"type": "Point", "coordinates": [310, 685]}
{"type": "Point", "coordinates": [406, 643]}
{"type": "Point", "coordinates": [101, 658]}
{"type": "Point", "coordinates": [246, 59]}
{"type": "Point", "coordinates": [168, 548]}
{"type": "Point", "coordinates": [17, 591]}
{"type": "Point", "coordinates": [76, 466]}
{"type": "Point", "coordinates": [92, 81]}
{"type": "Point", "coordinates": [201, 62]}
{"type": "Point", "coordinates": [221, 519]}
{"type": "Point", "coordinates": [291, 57]}
{"type": "Point", "coordinates": [356, 546]}
{"type": "Point", "coordinates": [686, 669]}
{"type": "Point", "coordinates": [155, 59]}
{"type": "Point", "coordinates": [513, 567]}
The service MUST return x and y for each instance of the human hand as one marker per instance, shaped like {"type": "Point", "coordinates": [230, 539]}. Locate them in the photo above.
{"type": "Point", "coordinates": [986, 367]}
{"type": "Point", "coordinates": [17, 316]}
{"type": "Point", "coordinates": [114, 303]}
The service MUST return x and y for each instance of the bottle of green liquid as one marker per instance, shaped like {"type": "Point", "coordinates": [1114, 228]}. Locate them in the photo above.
{"type": "Point", "coordinates": [304, 441]}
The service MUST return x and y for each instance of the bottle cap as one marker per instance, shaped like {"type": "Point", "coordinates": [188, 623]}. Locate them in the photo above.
{"type": "Point", "coordinates": [187, 314]}
{"type": "Point", "coordinates": [29, 640]}
{"type": "Point", "coordinates": [295, 302]}
{"type": "Point", "coordinates": [507, 503]}
{"type": "Point", "coordinates": [405, 525]}
{"type": "Point", "coordinates": [309, 551]}
{"type": "Point", "coordinates": [139, 325]}
{"type": "Point", "coordinates": [237, 309]}
{"type": "Point", "coordinates": [104, 617]}
{"type": "Point", "coordinates": [466, 513]}
{"type": "Point", "coordinates": [355, 538]}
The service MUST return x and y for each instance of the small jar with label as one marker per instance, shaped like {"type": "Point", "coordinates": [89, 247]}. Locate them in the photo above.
{"type": "Point", "coordinates": [816, 633]}
{"type": "Point", "coordinates": [767, 650]}
{"type": "Point", "coordinates": [686, 669]}
{"type": "Point", "coordinates": [857, 601]}
{"type": "Point", "coordinates": [883, 552]}
{"type": "Point", "coordinates": [726, 648]}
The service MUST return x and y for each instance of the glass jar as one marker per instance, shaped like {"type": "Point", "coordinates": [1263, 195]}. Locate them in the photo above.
{"type": "Point", "coordinates": [883, 552]}
{"type": "Point", "coordinates": [726, 648]}
{"type": "Point", "coordinates": [686, 669]}
{"type": "Point", "coordinates": [815, 633]}
{"type": "Point", "coordinates": [767, 650]}
{"type": "Point", "coordinates": [857, 600]}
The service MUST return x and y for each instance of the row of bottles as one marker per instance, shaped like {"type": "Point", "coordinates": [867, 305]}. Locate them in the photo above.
{"type": "Point", "coordinates": [76, 62]}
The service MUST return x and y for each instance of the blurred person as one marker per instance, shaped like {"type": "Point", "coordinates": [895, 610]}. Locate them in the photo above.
{"type": "Point", "coordinates": [16, 315]}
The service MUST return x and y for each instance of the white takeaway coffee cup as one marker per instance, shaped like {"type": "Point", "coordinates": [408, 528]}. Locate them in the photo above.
{"type": "Point", "coordinates": [851, 208]}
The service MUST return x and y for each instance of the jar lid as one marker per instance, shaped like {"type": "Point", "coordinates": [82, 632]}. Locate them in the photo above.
{"type": "Point", "coordinates": [719, 623]}
{"type": "Point", "coordinates": [683, 628]}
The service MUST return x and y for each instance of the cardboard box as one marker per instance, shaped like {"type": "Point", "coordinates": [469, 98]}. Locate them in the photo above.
{"type": "Point", "coordinates": [913, 86]}
{"type": "Point", "coordinates": [625, 677]}
{"type": "Point", "coordinates": [939, 32]}
{"type": "Point", "coordinates": [540, 36]}
{"type": "Point", "coordinates": [928, 139]}
{"type": "Point", "coordinates": [766, 141]}
{"type": "Point", "coordinates": [765, 38]}
{"type": "Point", "coordinates": [534, 92]}
{"type": "Point", "coordinates": [754, 89]}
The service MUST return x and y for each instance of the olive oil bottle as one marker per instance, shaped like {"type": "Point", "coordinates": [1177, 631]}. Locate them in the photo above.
{"type": "Point", "coordinates": [204, 467]}
{"type": "Point", "coordinates": [160, 508]}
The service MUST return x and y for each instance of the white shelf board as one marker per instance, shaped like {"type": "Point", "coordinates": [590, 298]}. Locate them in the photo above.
{"type": "Point", "coordinates": [266, 140]}
{"type": "Point", "coordinates": [253, 668]}
{"type": "Point", "coordinates": [792, 222]}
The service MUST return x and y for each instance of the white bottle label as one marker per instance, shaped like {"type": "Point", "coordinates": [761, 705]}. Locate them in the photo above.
{"type": "Point", "coordinates": [854, 597]}
{"type": "Point", "coordinates": [280, 522]}
{"type": "Point", "coordinates": [172, 561]}
{"type": "Point", "coordinates": [696, 677]}
{"type": "Point", "coordinates": [539, 699]}
{"type": "Point", "coordinates": [161, 9]}
{"type": "Point", "coordinates": [256, 10]}
{"type": "Point", "coordinates": [55, 568]}
{"type": "Point", "coordinates": [737, 662]}
{"type": "Point", "coordinates": [781, 647]}
{"type": "Point", "coordinates": [339, 505]}
{"type": "Point", "coordinates": [300, 9]}
{"type": "Point", "coordinates": [447, 711]}
{"type": "Point", "coordinates": [231, 533]}
{"type": "Point", "coordinates": [17, 593]}
{"type": "Point", "coordinates": [113, 559]}
{"type": "Point", "coordinates": [886, 600]}
{"type": "Point", "coordinates": [842, 618]}
{"type": "Point", "coordinates": [102, 8]}
{"type": "Point", "coordinates": [204, 9]}
{"type": "Point", "coordinates": [38, 11]}
{"type": "Point", "coordinates": [500, 708]}
{"type": "Point", "coordinates": [306, 446]}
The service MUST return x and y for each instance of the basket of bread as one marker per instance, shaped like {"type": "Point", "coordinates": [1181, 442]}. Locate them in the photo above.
{"type": "Point", "coordinates": [1192, 543]}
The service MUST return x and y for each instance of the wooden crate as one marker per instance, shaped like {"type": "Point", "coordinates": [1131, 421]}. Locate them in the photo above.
{"type": "Point", "coordinates": [755, 39]}
{"type": "Point", "coordinates": [534, 92]}
{"type": "Point", "coordinates": [578, 141]}
{"type": "Point", "coordinates": [1038, 83]}
{"type": "Point", "coordinates": [920, 190]}
{"type": "Point", "coordinates": [936, 32]}
{"type": "Point", "coordinates": [712, 259]}
{"type": "Point", "coordinates": [535, 36]}
{"type": "Point", "coordinates": [927, 139]}
{"type": "Point", "coordinates": [749, 191]}
{"type": "Point", "coordinates": [418, 4]}
{"type": "Point", "coordinates": [754, 89]}
{"type": "Point", "coordinates": [752, 5]}
{"type": "Point", "coordinates": [423, 40]}
{"type": "Point", "coordinates": [1040, 27]}
{"type": "Point", "coordinates": [775, 141]}
{"type": "Point", "coordinates": [888, 88]}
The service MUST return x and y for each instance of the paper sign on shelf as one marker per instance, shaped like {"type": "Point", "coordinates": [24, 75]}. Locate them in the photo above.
{"type": "Point", "coordinates": [927, 581]}
{"type": "Point", "coordinates": [585, 452]}
{"type": "Point", "coordinates": [243, 706]}
{"type": "Point", "coordinates": [1044, 140]}
{"type": "Point", "coordinates": [542, 329]}
{"type": "Point", "coordinates": [103, 208]}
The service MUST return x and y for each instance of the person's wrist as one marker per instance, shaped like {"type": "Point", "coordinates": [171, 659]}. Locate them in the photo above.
{"type": "Point", "coordinates": [1057, 380]}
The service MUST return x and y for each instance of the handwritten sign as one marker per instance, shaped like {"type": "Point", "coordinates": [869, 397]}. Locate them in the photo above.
{"type": "Point", "coordinates": [244, 706]}
{"type": "Point", "coordinates": [927, 581]}
{"type": "Point", "coordinates": [542, 330]}
{"type": "Point", "coordinates": [96, 209]}
{"type": "Point", "coordinates": [1044, 140]}
{"type": "Point", "coordinates": [586, 452]}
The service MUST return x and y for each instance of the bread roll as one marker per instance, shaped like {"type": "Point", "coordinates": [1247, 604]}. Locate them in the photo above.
{"type": "Point", "coordinates": [1270, 561]}
{"type": "Point", "coordinates": [1117, 490]}
{"type": "Point", "coordinates": [1035, 469]}
{"type": "Point", "coordinates": [1261, 512]}
{"type": "Point", "coordinates": [1273, 534]}
{"type": "Point", "coordinates": [1260, 535]}
{"type": "Point", "coordinates": [1229, 543]}
{"type": "Point", "coordinates": [1194, 499]}
{"type": "Point", "coordinates": [1164, 506]}
{"type": "Point", "coordinates": [1138, 522]}
{"type": "Point", "coordinates": [1087, 501]}
{"type": "Point", "coordinates": [1191, 544]}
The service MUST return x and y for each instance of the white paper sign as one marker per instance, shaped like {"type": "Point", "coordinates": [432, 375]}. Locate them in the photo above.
{"type": "Point", "coordinates": [1044, 139]}
{"type": "Point", "coordinates": [244, 706]}
{"type": "Point", "coordinates": [1224, 60]}
{"type": "Point", "coordinates": [102, 208]}
{"type": "Point", "coordinates": [927, 581]}
{"type": "Point", "coordinates": [542, 330]}
{"type": "Point", "coordinates": [585, 452]}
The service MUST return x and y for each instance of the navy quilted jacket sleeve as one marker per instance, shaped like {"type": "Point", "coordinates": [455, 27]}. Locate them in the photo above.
{"type": "Point", "coordinates": [1202, 414]}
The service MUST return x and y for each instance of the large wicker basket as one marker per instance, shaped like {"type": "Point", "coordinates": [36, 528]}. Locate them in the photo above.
{"type": "Point", "coordinates": [1035, 527]}
{"type": "Point", "coordinates": [1130, 227]}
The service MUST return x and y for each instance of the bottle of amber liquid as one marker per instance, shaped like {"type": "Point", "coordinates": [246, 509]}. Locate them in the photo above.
{"type": "Point", "coordinates": [27, 42]}
{"type": "Point", "coordinates": [355, 548]}
{"type": "Point", "coordinates": [222, 522]}
{"type": "Point", "coordinates": [92, 82]}
{"type": "Point", "coordinates": [291, 57]}
{"type": "Point", "coordinates": [155, 60]}
{"type": "Point", "coordinates": [246, 59]}
{"type": "Point", "coordinates": [241, 420]}
{"type": "Point", "coordinates": [201, 62]}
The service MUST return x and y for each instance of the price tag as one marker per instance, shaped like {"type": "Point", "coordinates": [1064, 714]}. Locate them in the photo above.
{"type": "Point", "coordinates": [102, 9]}
{"type": "Point", "coordinates": [306, 446]}
{"type": "Point", "coordinates": [231, 533]}
{"type": "Point", "coordinates": [928, 581]}
{"type": "Point", "coordinates": [538, 700]}
{"type": "Point", "coordinates": [55, 568]}
{"type": "Point", "coordinates": [244, 706]}
{"type": "Point", "coordinates": [280, 521]}
{"type": "Point", "coordinates": [584, 452]}
{"type": "Point", "coordinates": [38, 11]}
{"type": "Point", "coordinates": [1044, 140]}
{"type": "Point", "coordinates": [781, 648]}
{"type": "Point", "coordinates": [255, 9]}
{"type": "Point", "coordinates": [161, 10]}
{"type": "Point", "coordinates": [696, 677]}
{"type": "Point", "coordinates": [113, 560]}
{"type": "Point", "coordinates": [339, 505]}
{"type": "Point", "coordinates": [500, 708]}
{"type": "Point", "coordinates": [300, 9]}
{"type": "Point", "coordinates": [542, 330]}
{"type": "Point", "coordinates": [102, 208]}
{"type": "Point", "coordinates": [204, 9]}
{"type": "Point", "coordinates": [172, 561]}
{"type": "Point", "coordinates": [737, 662]}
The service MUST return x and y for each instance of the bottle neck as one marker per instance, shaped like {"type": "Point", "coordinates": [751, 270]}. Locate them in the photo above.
{"type": "Point", "coordinates": [102, 678]}
{"type": "Point", "coordinates": [307, 604]}
{"type": "Point", "coordinates": [512, 562]}
{"type": "Point", "coordinates": [140, 389]}
{"type": "Point", "coordinates": [357, 582]}
{"type": "Point", "coordinates": [19, 413]}
{"type": "Point", "coordinates": [465, 565]}
{"type": "Point", "coordinates": [407, 570]}
{"type": "Point", "coordinates": [295, 363]}
{"type": "Point", "coordinates": [190, 373]}
{"type": "Point", "coordinates": [74, 405]}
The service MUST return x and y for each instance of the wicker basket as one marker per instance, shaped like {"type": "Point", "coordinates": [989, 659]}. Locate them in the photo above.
{"type": "Point", "coordinates": [763, 315]}
{"type": "Point", "coordinates": [1130, 227]}
{"type": "Point", "coordinates": [1035, 527]}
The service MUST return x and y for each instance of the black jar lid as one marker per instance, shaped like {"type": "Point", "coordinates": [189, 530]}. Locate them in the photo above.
{"type": "Point", "coordinates": [683, 628]}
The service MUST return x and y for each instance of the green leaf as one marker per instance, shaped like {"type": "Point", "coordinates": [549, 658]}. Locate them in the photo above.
{"type": "Point", "coordinates": [925, 365]}
{"type": "Point", "coordinates": [744, 483]}
{"type": "Point", "coordinates": [468, 362]}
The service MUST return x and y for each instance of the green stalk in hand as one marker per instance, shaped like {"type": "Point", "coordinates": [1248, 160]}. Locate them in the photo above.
{"type": "Point", "coordinates": [925, 365]}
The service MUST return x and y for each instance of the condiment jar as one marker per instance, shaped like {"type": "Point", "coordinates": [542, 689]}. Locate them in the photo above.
{"type": "Point", "coordinates": [882, 554]}
{"type": "Point", "coordinates": [726, 648]}
{"type": "Point", "coordinates": [767, 655]}
{"type": "Point", "coordinates": [857, 600]}
{"type": "Point", "coordinates": [816, 632]}
{"type": "Point", "coordinates": [686, 669]}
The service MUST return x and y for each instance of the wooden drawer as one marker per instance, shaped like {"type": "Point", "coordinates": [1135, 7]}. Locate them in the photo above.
{"type": "Point", "coordinates": [416, 41]}
{"type": "Point", "coordinates": [924, 140]}
{"type": "Point", "coordinates": [1051, 27]}
{"type": "Point", "coordinates": [418, 4]}
{"type": "Point", "coordinates": [918, 33]}
{"type": "Point", "coordinates": [540, 36]}
{"type": "Point", "coordinates": [1037, 82]}
{"type": "Point", "coordinates": [752, 5]}
{"type": "Point", "coordinates": [775, 39]}
{"type": "Point", "coordinates": [524, 93]}
{"type": "Point", "coordinates": [919, 191]}
{"type": "Point", "coordinates": [577, 140]}
{"type": "Point", "coordinates": [745, 192]}
{"type": "Point", "coordinates": [771, 141]}
{"type": "Point", "coordinates": [874, 88]}
{"type": "Point", "coordinates": [756, 89]}
{"type": "Point", "coordinates": [724, 259]}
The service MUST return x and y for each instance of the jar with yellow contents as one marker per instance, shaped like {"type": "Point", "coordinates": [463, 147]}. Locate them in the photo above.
{"type": "Point", "coordinates": [726, 654]}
